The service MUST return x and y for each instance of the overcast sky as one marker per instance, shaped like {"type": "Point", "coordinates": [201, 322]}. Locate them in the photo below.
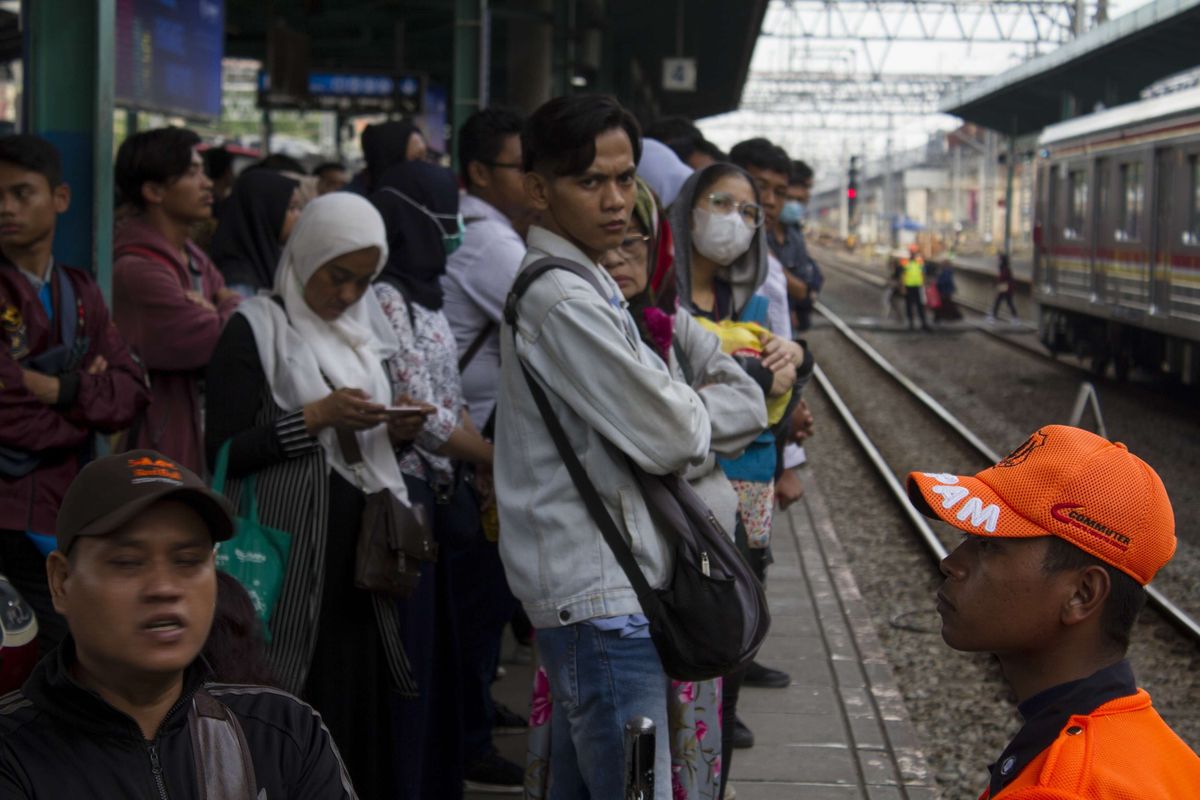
{"type": "Point", "coordinates": [827, 142]}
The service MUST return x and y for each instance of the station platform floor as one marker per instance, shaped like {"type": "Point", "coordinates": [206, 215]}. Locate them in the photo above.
{"type": "Point", "coordinates": [841, 730]}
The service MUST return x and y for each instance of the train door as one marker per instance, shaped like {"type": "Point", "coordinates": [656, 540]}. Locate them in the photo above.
{"type": "Point", "coordinates": [1100, 229]}
{"type": "Point", "coordinates": [1183, 284]}
{"type": "Point", "coordinates": [1051, 232]}
{"type": "Point", "coordinates": [1072, 262]}
{"type": "Point", "coordinates": [1167, 165]}
{"type": "Point", "coordinates": [1127, 273]}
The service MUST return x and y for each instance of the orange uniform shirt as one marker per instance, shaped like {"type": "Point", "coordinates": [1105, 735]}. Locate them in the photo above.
{"type": "Point", "coordinates": [1121, 751]}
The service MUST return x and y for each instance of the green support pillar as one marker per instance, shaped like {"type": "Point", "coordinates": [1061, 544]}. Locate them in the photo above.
{"type": "Point", "coordinates": [468, 33]}
{"type": "Point", "coordinates": [69, 101]}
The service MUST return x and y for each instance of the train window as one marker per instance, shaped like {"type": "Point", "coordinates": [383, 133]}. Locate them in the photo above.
{"type": "Point", "coordinates": [1192, 235]}
{"type": "Point", "coordinates": [1131, 199]}
{"type": "Point", "coordinates": [1077, 201]}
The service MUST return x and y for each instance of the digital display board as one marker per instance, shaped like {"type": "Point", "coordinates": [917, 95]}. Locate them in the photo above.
{"type": "Point", "coordinates": [169, 55]}
{"type": "Point", "coordinates": [352, 92]}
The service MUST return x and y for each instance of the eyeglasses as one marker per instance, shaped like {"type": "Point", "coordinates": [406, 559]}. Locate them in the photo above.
{"type": "Point", "coordinates": [724, 203]}
{"type": "Point", "coordinates": [634, 245]}
{"type": "Point", "coordinates": [503, 165]}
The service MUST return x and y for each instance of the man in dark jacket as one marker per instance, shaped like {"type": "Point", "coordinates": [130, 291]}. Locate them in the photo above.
{"type": "Point", "coordinates": [124, 707]}
{"type": "Point", "coordinates": [65, 372]}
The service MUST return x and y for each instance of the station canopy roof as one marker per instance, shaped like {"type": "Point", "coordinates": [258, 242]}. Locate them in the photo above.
{"type": "Point", "coordinates": [379, 35]}
{"type": "Point", "coordinates": [1110, 64]}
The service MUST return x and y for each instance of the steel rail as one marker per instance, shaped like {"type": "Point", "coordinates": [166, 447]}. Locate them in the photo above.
{"type": "Point", "coordinates": [1165, 605]}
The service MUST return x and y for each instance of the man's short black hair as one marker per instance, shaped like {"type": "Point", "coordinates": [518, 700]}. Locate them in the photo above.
{"type": "Point", "coordinates": [279, 162]}
{"type": "Point", "coordinates": [161, 156]}
{"type": "Point", "coordinates": [328, 166]}
{"type": "Point", "coordinates": [560, 137]}
{"type": "Point", "coordinates": [801, 173]}
{"type": "Point", "coordinates": [218, 162]}
{"type": "Point", "coordinates": [1125, 599]}
{"type": "Point", "coordinates": [667, 129]}
{"type": "Point", "coordinates": [32, 153]}
{"type": "Point", "coordinates": [482, 137]}
{"type": "Point", "coordinates": [761, 153]}
{"type": "Point", "coordinates": [711, 150]}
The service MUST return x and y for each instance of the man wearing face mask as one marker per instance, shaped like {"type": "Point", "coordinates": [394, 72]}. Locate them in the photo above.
{"type": "Point", "coordinates": [805, 269]}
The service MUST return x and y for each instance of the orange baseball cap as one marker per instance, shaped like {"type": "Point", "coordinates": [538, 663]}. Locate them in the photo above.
{"type": "Point", "coordinates": [1063, 482]}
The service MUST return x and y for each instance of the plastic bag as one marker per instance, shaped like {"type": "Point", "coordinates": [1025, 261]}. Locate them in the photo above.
{"type": "Point", "coordinates": [257, 555]}
{"type": "Point", "coordinates": [747, 339]}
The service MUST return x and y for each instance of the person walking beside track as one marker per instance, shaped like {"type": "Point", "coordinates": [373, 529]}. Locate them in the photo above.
{"type": "Point", "coordinates": [1061, 538]}
{"type": "Point", "coordinates": [1004, 290]}
{"type": "Point", "coordinates": [912, 275]}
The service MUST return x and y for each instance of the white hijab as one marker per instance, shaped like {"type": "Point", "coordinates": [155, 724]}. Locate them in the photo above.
{"type": "Point", "coordinates": [299, 350]}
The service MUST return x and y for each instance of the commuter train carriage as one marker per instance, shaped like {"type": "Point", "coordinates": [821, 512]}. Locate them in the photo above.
{"type": "Point", "coordinates": [1117, 237]}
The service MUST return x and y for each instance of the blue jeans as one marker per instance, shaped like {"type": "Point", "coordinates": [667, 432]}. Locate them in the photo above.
{"type": "Point", "coordinates": [599, 681]}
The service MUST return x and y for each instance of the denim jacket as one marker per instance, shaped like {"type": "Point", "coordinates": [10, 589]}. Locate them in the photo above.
{"type": "Point", "coordinates": [614, 398]}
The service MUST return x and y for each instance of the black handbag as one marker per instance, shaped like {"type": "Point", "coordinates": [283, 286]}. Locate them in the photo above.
{"type": "Point", "coordinates": [712, 617]}
{"type": "Point", "coordinates": [393, 539]}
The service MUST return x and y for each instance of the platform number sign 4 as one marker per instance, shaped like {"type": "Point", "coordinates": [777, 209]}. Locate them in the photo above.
{"type": "Point", "coordinates": [679, 74]}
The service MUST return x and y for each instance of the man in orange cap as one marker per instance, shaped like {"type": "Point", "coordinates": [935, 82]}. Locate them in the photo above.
{"type": "Point", "coordinates": [1062, 536]}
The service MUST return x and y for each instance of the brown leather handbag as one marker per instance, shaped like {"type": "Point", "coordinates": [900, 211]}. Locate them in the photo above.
{"type": "Point", "coordinates": [393, 539]}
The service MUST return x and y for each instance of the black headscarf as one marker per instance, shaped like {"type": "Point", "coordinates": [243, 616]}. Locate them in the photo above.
{"type": "Point", "coordinates": [416, 254]}
{"type": "Point", "coordinates": [385, 144]}
{"type": "Point", "coordinates": [246, 247]}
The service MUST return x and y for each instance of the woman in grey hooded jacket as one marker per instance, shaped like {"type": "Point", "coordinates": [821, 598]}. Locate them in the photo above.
{"type": "Point", "coordinates": [719, 270]}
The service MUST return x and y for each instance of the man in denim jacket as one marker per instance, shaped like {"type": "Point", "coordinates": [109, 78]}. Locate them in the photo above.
{"type": "Point", "coordinates": [615, 400]}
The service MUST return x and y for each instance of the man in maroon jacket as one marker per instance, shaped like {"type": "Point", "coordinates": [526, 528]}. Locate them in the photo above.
{"type": "Point", "coordinates": [169, 301]}
{"type": "Point", "coordinates": [65, 372]}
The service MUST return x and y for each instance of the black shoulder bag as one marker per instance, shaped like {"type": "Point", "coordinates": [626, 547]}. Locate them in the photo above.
{"type": "Point", "coordinates": [712, 617]}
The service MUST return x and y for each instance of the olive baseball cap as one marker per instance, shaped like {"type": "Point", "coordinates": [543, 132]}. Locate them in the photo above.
{"type": "Point", "coordinates": [111, 491]}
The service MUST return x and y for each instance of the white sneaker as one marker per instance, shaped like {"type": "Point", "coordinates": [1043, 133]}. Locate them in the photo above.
{"type": "Point", "coordinates": [730, 792]}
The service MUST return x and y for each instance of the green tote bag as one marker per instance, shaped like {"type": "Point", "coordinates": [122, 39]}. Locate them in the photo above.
{"type": "Point", "coordinates": [257, 555]}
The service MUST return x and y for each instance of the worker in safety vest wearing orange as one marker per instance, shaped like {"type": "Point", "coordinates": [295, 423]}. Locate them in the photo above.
{"type": "Point", "coordinates": [913, 275]}
{"type": "Point", "coordinates": [1062, 537]}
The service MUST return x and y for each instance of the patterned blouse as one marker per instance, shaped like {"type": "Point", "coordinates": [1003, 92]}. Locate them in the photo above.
{"type": "Point", "coordinates": [425, 369]}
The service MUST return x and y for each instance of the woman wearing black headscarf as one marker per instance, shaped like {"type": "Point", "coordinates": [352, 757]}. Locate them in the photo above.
{"type": "Point", "coordinates": [419, 205]}
{"type": "Point", "coordinates": [385, 145]}
{"type": "Point", "coordinates": [256, 221]}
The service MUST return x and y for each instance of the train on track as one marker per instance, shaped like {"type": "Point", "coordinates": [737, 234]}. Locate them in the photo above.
{"type": "Point", "coordinates": [1117, 237]}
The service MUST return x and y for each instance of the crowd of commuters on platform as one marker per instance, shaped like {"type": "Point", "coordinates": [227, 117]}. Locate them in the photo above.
{"type": "Point", "coordinates": [318, 347]}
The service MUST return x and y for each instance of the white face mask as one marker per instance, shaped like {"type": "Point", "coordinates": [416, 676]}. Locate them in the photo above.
{"type": "Point", "coordinates": [721, 237]}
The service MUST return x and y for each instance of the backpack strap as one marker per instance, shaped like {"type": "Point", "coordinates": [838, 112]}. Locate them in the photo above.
{"type": "Point", "coordinates": [224, 767]}
{"type": "Point", "coordinates": [537, 269]}
{"type": "Point", "coordinates": [685, 366]}
{"type": "Point", "coordinates": [473, 350]}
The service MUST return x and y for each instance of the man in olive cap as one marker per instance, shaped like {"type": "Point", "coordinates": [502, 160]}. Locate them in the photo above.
{"type": "Point", "coordinates": [124, 707]}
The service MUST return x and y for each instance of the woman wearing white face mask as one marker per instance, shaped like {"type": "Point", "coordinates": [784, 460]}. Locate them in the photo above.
{"type": "Point", "coordinates": [720, 267]}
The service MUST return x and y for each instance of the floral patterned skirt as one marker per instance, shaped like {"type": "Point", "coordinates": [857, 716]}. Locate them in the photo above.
{"type": "Point", "coordinates": [756, 504]}
{"type": "Point", "coordinates": [695, 716]}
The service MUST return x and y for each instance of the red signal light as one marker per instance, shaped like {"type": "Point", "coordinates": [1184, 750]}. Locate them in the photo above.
{"type": "Point", "coordinates": [852, 193]}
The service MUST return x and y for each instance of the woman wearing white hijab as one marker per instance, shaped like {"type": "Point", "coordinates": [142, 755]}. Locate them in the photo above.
{"type": "Point", "coordinates": [289, 372]}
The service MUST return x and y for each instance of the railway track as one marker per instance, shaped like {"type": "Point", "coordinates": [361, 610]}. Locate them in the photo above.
{"type": "Point", "coordinates": [888, 428]}
{"type": "Point", "coordinates": [982, 455]}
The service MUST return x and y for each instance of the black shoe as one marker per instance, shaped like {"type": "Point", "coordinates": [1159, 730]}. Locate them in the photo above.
{"type": "Point", "coordinates": [507, 722]}
{"type": "Point", "coordinates": [765, 677]}
{"type": "Point", "coordinates": [743, 737]}
{"type": "Point", "coordinates": [494, 774]}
